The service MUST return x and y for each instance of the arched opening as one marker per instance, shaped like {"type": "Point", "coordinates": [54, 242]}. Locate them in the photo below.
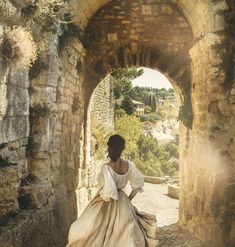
{"type": "Point", "coordinates": [132, 42]}
{"type": "Point", "coordinates": [134, 39]}
{"type": "Point", "coordinates": [158, 126]}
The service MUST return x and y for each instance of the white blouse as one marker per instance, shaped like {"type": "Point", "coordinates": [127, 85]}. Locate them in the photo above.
{"type": "Point", "coordinates": [111, 181]}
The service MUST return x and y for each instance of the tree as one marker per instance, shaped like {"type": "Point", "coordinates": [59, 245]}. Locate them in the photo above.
{"type": "Point", "coordinates": [172, 148]}
{"type": "Point", "coordinates": [119, 113]}
{"type": "Point", "coordinates": [147, 109]}
{"type": "Point", "coordinates": [154, 103]}
{"type": "Point", "coordinates": [128, 105]}
{"type": "Point", "coordinates": [130, 128]}
{"type": "Point", "coordinates": [123, 80]}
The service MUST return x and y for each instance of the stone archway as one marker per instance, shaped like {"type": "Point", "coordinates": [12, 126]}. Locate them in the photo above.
{"type": "Point", "coordinates": [43, 139]}
{"type": "Point", "coordinates": [125, 34]}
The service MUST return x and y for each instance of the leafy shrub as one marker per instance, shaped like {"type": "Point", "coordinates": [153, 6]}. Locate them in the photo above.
{"type": "Point", "coordinates": [99, 139]}
{"type": "Point", "coordinates": [145, 118]}
{"type": "Point", "coordinates": [130, 128]}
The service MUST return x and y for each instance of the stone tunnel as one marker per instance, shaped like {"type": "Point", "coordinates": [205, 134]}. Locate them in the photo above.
{"type": "Point", "coordinates": [45, 107]}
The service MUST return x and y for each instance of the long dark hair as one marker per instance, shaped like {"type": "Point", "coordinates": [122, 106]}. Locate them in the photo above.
{"type": "Point", "coordinates": [116, 144]}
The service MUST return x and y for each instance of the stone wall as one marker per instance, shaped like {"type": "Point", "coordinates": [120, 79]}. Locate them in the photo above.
{"type": "Point", "coordinates": [42, 165]}
{"type": "Point", "coordinates": [14, 131]}
{"type": "Point", "coordinates": [207, 151]}
{"type": "Point", "coordinates": [101, 125]}
{"type": "Point", "coordinates": [201, 67]}
{"type": "Point", "coordinates": [102, 103]}
{"type": "Point", "coordinates": [173, 190]}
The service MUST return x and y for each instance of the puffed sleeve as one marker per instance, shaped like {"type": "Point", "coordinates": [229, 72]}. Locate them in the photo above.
{"type": "Point", "coordinates": [136, 178]}
{"type": "Point", "coordinates": [109, 189]}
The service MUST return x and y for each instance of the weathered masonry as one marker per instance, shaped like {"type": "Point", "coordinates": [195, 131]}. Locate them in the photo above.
{"type": "Point", "coordinates": [45, 113]}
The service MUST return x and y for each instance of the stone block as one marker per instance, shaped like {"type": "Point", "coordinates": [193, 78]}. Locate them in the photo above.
{"type": "Point", "coordinates": [112, 37]}
{"type": "Point", "coordinates": [173, 191]}
{"type": "Point", "coordinates": [19, 78]}
{"type": "Point", "coordinates": [4, 129]}
{"type": "Point", "coordinates": [18, 128]}
{"type": "Point", "coordinates": [154, 180]}
{"type": "Point", "coordinates": [40, 168]}
{"type": "Point", "coordinates": [9, 181]}
{"type": "Point", "coordinates": [18, 101]}
{"type": "Point", "coordinates": [43, 95]}
{"type": "Point", "coordinates": [146, 10]}
{"type": "Point", "coordinates": [4, 100]}
{"type": "Point", "coordinates": [224, 107]}
{"type": "Point", "coordinates": [10, 156]}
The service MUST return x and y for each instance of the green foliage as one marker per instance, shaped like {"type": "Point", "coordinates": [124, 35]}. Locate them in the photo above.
{"type": "Point", "coordinates": [172, 149]}
{"type": "Point", "coordinates": [130, 128]}
{"type": "Point", "coordinates": [99, 135]}
{"type": "Point", "coordinates": [147, 144]}
{"type": "Point", "coordinates": [150, 96]}
{"type": "Point", "coordinates": [147, 109]}
{"type": "Point", "coordinates": [128, 105]}
{"type": "Point", "coordinates": [123, 80]}
{"type": "Point", "coordinates": [119, 112]}
{"type": "Point", "coordinates": [145, 118]}
{"type": "Point", "coordinates": [151, 158]}
{"type": "Point", "coordinates": [151, 167]}
{"type": "Point", "coordinates": [155, 160]}
{"type": "Point", "coordinates": [167, 167]}
{"type": "Point", "coordinates": [152, 117]}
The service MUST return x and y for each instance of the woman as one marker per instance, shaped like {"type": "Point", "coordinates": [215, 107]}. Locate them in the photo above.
{"type": "Point", "coordinates": [110, 219]}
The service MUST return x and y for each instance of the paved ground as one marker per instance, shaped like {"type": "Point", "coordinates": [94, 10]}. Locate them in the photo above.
{"type": "Point", "coordinates": [154, 200]}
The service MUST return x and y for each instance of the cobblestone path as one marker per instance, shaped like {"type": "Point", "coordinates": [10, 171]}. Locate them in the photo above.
{"type": "Point", "coordinates": [154, 200]}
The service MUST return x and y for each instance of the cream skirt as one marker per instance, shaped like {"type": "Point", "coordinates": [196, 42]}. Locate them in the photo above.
{"type": "Point", "coordinates": [116, 223]}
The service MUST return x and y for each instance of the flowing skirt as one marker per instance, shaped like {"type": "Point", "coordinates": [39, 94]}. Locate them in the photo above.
{"type": "Point", "coordinates": [116, 223]}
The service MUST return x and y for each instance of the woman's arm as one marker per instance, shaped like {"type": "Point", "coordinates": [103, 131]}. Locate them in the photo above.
{"type": "Point", "coordinates": [96, 199]}
{"type": "Point", "coordinates": [133, 193]}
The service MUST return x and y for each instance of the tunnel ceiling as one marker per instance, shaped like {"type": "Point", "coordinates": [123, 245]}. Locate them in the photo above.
{"type": "Point", "coordinates": [204, 16]}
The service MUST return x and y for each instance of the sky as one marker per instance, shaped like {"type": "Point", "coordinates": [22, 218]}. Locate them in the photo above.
{"type": "Point", "coordinates": [152, 78]}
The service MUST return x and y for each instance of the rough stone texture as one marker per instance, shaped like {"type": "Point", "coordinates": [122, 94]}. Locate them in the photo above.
{"type": "Point", "coordinates": [207, 163]}
{"type": "Point", "coordinates": [204, 16]}
{"type": "Point", "coordinates": [102, 103]}
{"type": "Point", "coordinates": [45, 114]}
{"type": "Point", "coordinates": [154, 180]}
{"type": "Point", "coordinates": [175, 236]}
{"type": "Point", "coordinates": [102, 120]}
{"type": "Point", "coordinates": [207, 166]}
{"type": "Point", "coordinates": [173, 190]}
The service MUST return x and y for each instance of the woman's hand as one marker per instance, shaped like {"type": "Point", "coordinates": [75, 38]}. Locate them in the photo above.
{"type": "Point", "coordinates": [133, 193]}
{"type": "Point", "coordinates": [96, 199]}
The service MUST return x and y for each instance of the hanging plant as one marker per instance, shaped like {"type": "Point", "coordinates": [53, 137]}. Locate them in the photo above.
{"type": "Point", "coordinates": [18, 48]}
{"type": "Point", "coordinates": [58, 10]}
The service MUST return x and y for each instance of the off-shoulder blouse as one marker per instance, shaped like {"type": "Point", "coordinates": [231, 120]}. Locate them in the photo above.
{"type": "Point", "coordinates": [112, 181]}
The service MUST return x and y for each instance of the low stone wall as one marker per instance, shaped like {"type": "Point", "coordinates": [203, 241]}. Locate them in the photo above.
{"type": "Point", "coordinates": [173, 190]}
{"type": "Point", "coordinates": [154, 180]}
